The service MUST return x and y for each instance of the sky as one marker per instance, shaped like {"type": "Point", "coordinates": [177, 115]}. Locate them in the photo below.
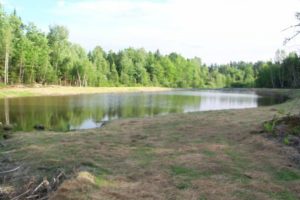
{"type": "Point", "coordinates": [217, 31]}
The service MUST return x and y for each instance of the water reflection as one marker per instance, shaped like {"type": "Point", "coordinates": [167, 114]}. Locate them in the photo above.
{"type": "Point", "coordinates": [90, 111]}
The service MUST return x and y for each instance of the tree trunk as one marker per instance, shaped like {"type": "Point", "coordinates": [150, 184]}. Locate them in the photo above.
{"type": "Point", "coordinates": [6, 66]}
{"type": "Point", "coordinates": [21, 72]}
{"type": "Point", "coordinates": [281, 77]}
{"type": "Point", "coordinates": [84, 81]}
{"type": "Point", "coordinates": [272, 78]}
{"type": "Point", "coordinates": [79, 79]}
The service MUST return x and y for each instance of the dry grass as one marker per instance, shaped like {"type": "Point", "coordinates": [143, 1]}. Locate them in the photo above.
{"type": "Point", "coordinates": [21, 91]}
{"type": "Point", "coordinates": [206, 155]}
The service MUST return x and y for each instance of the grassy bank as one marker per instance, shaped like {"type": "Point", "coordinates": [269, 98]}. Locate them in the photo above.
{"type": "Point", "coordinates": [22, 91]}
{"type": "Point", "coordinates": [204, 155]}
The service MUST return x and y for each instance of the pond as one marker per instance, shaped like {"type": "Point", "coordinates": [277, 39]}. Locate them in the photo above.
{"type": "Point", "coordinates": [63, 113]}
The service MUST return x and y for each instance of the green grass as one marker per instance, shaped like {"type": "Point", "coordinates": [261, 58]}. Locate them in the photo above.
{"type": "Point", "coordinates": [187, 172]}
{"type": "Point", "coordinates": [287, 175]}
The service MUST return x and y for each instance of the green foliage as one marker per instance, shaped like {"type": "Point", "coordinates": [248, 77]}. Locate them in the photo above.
{"type": "Point", "coordinates": [269, 126]}
{"type": "Point", "coordinates": [286, 140]}
{"type": "Point", "coordinates": [29, 56]}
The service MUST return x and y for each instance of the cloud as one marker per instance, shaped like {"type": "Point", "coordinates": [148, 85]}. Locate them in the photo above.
{"type": "Point", "coordinates": [217, 30]}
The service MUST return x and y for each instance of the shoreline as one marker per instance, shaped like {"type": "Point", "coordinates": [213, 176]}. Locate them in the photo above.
{"type": "Point", "coordinates": [24, 91]}
{"type": "Point", "coordinates": [56, 90]}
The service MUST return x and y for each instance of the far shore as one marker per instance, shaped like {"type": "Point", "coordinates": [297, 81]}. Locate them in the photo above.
{"type": "Point", "coordinates": [14, 91]}
{"type": "Point", "coordinates": [54, 90]}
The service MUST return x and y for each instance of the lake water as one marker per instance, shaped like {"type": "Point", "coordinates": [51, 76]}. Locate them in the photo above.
{"type": "Point", "coordinates": [65, 113]}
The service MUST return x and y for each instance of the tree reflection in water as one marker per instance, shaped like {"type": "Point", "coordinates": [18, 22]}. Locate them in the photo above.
{"type": "Point", "coordinates": [89, 111]}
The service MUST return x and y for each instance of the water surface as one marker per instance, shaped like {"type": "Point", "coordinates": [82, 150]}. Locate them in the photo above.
{"type": "Point", "coordinates": [90, 111]}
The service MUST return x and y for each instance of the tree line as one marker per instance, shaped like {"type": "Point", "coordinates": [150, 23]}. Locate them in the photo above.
{"type": "Point", "coordinates": [31, 56]}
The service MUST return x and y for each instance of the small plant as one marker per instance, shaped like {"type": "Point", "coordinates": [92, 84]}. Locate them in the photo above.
{"type": "Point", "coordinates": [269, 126]}
{"type": "Point", "coordinates": [286, 140]}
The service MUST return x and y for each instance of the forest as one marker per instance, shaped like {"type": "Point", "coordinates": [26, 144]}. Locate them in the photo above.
{"type": "Point", "coordinates": [31, 56]}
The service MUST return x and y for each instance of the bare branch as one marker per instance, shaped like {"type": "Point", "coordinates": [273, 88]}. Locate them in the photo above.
{"type": "Point", "coordinates": [293, 26]}
{"type": "Point", "coordinates": [21, 195]}
{"type": "Point", "coordinates": [290, 38]}
{"type": "Point", "coordinates": [12, 170]}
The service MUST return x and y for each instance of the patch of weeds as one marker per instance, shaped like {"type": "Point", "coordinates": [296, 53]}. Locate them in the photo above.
{"type": "Point", "coordinates": [102, 182]}
{"type": "Point", "coordinates": [208, 153]}
{"type": "Point", "coordinates": [285, 195]}
{"type": "Point", "coordinates": [287, 175]}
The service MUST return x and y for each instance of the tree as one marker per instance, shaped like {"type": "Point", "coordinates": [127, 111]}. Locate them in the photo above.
{"type": "Point", "coordinates": [98, 58]}
{"type": "Point", "coordinates": [58, 43]}
{"type": "Point", "coordinates": [6, 41]}
{"type": "Point", "coordinates": [113, 76]}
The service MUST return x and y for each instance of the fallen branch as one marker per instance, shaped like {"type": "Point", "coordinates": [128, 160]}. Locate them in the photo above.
{"type": "Point", "coordinates": [23, 194]}
{"type": "Point", "coordinates": [44, 183]}
{"type": "Point", "coordinates": [32, 196]}
{"type": "Point", "coordinates": [12, 170]}
{"type": "Point", "coordinates": [43, 190]}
